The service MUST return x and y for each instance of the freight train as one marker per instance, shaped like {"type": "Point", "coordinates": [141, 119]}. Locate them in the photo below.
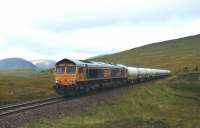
{"type": "Point", "coordinates": [81, 76]}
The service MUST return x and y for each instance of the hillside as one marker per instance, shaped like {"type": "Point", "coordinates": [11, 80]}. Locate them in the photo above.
{"type": "Point", "coordinates": [16, 63]}
{"type": "Point", "coordinates": [173, 54]}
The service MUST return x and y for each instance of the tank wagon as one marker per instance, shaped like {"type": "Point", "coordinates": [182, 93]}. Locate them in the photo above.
{"type": "Point", "coordinates": [80, 76]}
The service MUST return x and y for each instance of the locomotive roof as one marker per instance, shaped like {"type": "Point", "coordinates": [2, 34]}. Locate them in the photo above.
{"type": "Point", "coordinates": [84, 63]}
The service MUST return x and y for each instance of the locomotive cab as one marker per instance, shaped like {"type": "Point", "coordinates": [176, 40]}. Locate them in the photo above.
{"type": "Point", "coordinates": [65, 74]}
{"type": "Point", "coordinates": [68, 75]}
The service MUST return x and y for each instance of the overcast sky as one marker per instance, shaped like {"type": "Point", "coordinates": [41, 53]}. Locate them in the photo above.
{"type": "Point", "coordinates": [78, 29]}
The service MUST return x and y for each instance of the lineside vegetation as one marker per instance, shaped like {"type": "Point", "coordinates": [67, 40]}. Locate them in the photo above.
{"type": "Point", "coordinates": [169, 103]}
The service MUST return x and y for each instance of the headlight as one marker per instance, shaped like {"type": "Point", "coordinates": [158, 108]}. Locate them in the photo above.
{"type": "Point", "coordinates": [57, 81]}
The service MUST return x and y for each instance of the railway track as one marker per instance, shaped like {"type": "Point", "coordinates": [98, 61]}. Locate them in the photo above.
{"type": "Point", "coordinates": [16, 108]}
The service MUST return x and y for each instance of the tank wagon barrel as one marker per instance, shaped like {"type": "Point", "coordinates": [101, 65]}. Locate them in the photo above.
{"type": "Point", "coordinates": [142, 74]}
{"type": "Point", "coordinates": [76, 76]}
{"type": "Point", "coordinates": [133, 71]}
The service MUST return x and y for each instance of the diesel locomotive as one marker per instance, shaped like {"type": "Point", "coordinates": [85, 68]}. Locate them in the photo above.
{"type": "Point", "coordinates": [81, 76]}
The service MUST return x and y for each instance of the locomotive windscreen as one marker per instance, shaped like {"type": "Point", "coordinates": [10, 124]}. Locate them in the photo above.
{"type": "Point", "coordinates": [71, 69]}
{"type": "Point", "coordinates": [60, 69]}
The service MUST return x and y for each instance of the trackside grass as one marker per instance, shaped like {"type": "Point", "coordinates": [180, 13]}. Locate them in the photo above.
{"type": "Point", "coordinates": [19, 88]}
{"type": "Point", "coordinates": [170, 103]}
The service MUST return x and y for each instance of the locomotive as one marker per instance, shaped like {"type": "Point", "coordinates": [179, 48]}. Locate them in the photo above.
{"type": "Point", "coordinates": [81, 76]}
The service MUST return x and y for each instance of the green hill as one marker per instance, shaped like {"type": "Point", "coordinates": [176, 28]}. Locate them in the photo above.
{"type": "Point", "coordinates": [173, 54]}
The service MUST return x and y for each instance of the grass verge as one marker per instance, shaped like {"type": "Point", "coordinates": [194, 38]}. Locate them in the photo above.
{"type": "Point", "coordinates": [20, 88]}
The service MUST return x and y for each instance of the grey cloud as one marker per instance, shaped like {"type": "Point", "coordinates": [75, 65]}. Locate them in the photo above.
{"type": "Point", "coordinates": [50, 50]}
{"type": "Point", "coordinates": [31, 44]}
{"type": "Point", "coordinates": [181, 10]}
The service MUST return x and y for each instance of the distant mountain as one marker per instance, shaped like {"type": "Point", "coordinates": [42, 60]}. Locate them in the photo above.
{"type": "Point", "coordinates": [44, 64]}
{"type": "Point", "coordinates": [16, 63]}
